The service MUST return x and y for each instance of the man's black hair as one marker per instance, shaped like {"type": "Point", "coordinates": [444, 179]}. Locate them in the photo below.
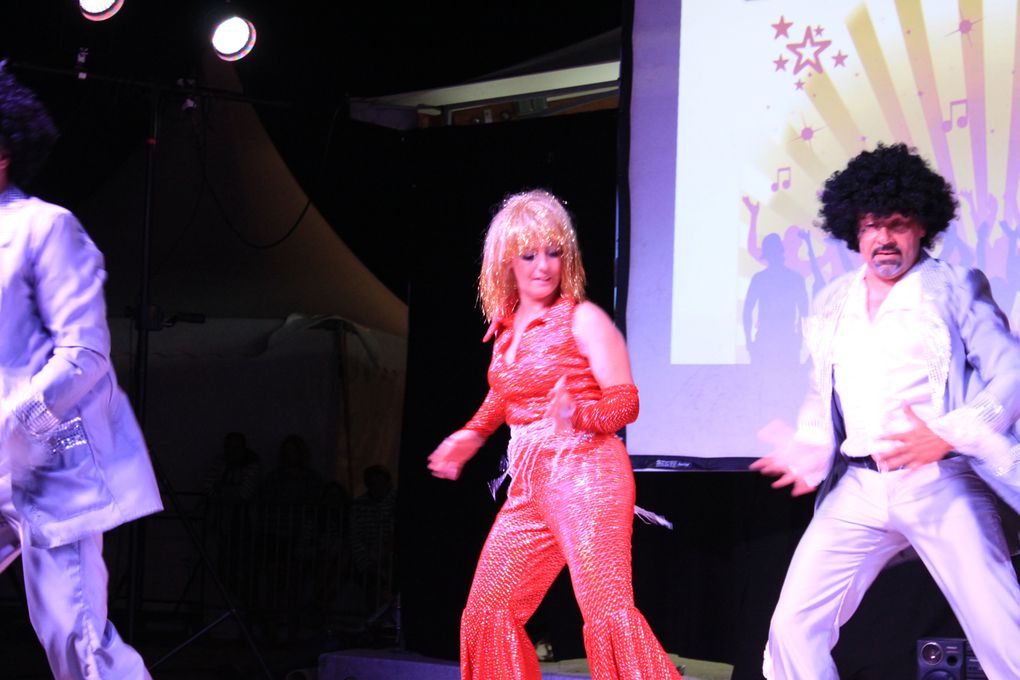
{"type": "Point", "coordinates": [27, 133]}
{"type": "Point", "coordinates": [890, 179]}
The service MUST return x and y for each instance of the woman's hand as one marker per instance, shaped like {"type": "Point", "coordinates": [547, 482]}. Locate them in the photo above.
{"type": "Point", "coordinates": [561, 406]}
{"type": "Point", "coordinates": [449, 458]}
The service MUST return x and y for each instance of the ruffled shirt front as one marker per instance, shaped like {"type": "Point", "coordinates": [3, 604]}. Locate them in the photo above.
{"type": "Point", "coordinates": [546, 352]}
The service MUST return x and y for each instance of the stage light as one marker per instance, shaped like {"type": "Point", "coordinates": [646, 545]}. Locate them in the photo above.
{"type": "Point", "coordinates": [233, 38]}
{"type": "Point", "coordinates": [99, 10]}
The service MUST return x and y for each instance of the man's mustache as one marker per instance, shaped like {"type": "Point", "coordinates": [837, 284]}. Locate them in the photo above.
{"type": "Point", "coordinates": [886, 250]}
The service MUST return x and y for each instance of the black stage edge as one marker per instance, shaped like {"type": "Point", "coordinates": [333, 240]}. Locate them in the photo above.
{"type": "Point", "coordinates": [378, 664]}
{"type": "Point", "coordinates": [689, 463]}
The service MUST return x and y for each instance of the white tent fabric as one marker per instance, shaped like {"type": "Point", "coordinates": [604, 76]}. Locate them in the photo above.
{"type": "Point", "coordinates": [337, 385]}
{"type": "Point", "coordinates": [199, 265]}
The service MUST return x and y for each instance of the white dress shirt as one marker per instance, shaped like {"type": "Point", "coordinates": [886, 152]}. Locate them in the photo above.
{"type": "Point", "coordinates": [879, 365]}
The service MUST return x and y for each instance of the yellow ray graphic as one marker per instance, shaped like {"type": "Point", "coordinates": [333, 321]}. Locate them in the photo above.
{"type": "Point", "coordinates": [973, 48]}
{"type": "Point", "coordinates": [1010, 208]}
{"type": "Point", "coordinates": [802, 153]}
{"type": "Point", "coordinates": [916, 40]}
{"type": "Point", "coordinates": [834, 112]}
{"type": "Point", "coordinates": [784, 210]}
{"type": "Point", "coordinates": [869, 51]}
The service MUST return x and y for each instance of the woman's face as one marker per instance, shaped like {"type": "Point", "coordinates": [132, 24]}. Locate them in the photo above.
{"type": "Point", "coordinates": [537, 273]}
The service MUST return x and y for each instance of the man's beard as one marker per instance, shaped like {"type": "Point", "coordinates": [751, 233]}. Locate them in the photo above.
{"type": "Point", "coordinates": [887, 268]}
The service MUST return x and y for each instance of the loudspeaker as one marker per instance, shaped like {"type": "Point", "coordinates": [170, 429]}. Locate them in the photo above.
{"type": "Point", "coordinates": [947, 659]}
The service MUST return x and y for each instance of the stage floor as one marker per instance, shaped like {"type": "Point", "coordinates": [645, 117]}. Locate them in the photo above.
{"type": "Point", "coordinates": [376, 664]}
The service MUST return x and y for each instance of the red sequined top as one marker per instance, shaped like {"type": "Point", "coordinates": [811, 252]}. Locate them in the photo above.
{"type": "Point", "coordinates": [519, 391]}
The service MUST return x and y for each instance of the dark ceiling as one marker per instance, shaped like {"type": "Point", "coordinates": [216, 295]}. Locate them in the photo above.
{"type": "Point", "coordinates": [311, 56]}
{"type": "Point", "coordinates": [310, 49]}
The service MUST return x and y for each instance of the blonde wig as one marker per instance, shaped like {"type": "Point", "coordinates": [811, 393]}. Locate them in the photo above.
{"type": "Point", "coordinates": [526, 222]}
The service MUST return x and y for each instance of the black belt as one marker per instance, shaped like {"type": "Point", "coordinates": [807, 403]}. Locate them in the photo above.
{"type": "Point", "coordinates": [861, 461]}
{"type": "Point", "coordinates": [872, 464]}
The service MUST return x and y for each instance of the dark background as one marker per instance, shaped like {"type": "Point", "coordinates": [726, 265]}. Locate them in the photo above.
{"type": "Point", "coordinates": [413, 206]}
{"type": "Point", "coordinates": [310, 57]}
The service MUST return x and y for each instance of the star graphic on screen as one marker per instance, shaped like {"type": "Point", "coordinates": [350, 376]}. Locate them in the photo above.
{"type": "Point", "coordinates": [782, 28]}
{"type": "Point", "coordinates": [809, 44]}
{"type": "Point", "coordinates": [799, 84]}
{"type": "Point", "coordinates": [780, 63]}
{"type": "Point", "coordinates": [839, 59]}
{"type": "Point", "coordinates": [819, 31]}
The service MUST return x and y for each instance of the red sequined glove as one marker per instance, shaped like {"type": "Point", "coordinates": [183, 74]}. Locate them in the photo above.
{"type": "Point", "coordinates": [489, 417]}
{"type": "Point", "coordinates": [618, 406]}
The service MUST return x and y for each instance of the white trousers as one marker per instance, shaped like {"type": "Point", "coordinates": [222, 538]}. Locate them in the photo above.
{"type": "Point", "coordinates": [948, 515]}
{"type": "Point", "coordinates": [66, 592]}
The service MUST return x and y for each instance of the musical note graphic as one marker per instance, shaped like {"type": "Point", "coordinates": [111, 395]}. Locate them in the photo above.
{"type": "Point", "coordinates": [780, 173]}
{"type": "Point", "coordinates": [961, 122]}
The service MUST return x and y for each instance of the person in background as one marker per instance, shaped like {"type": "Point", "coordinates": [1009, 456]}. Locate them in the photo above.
{"type": "Point", "coordinates": [293, 481]}
{"type": "Point", "coordinates": [372, 517]}
{"type": "Point", "coordinates": [372, 533]}
{"type": "Point", "coordinates": [231, 486]}
{"type": "Point", "coordinates": [234, 477]}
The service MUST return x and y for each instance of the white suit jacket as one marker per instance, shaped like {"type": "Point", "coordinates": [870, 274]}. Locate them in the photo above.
{"type": "Point", "coordinates": [76, 455]}
{"type": "Point", "coordinates": [973, 372]}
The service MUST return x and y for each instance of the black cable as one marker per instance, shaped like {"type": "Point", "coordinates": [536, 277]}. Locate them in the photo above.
{"type": "Point", "coordinates": [308, 204]}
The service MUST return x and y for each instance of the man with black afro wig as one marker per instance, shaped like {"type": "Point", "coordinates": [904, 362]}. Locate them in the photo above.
{"type": "Point", "coordinates": [909, 429]}
{"type": "Point", "coordinates": [73, 463]}
{"type": "Point", "coordinates": [888, 180]}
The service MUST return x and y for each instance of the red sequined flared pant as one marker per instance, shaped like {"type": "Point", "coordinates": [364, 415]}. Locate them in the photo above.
{"type": "Point", "coordinates": [571, 502]}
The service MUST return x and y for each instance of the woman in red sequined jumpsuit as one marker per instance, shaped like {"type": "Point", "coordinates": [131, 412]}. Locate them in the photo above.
{"type": "Point", "coordinates": [560, 378]}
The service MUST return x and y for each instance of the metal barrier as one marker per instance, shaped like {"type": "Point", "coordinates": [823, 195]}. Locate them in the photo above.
{"type": "Point", "coordinates": [291, 568]}
{"type": "Point", "coordinates": [300, 567]}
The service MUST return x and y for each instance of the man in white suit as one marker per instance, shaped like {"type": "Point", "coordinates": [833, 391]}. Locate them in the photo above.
{"type": "Point", "coordinates": [73, 463]}
{"type": "Point", "coordinates": [908, 431]}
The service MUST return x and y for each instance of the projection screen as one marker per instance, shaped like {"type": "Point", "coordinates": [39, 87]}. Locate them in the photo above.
{"type": "Point", "coordinates": [739, 111]}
